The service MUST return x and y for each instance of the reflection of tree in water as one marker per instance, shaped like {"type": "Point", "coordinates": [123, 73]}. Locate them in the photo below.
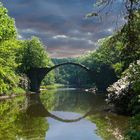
{"type": "Point", "coordinates": [16, 124]}
{"type": "Point", "coordinates": [32, 127]}
{"type": "Point", "coordinates": [110, 126]}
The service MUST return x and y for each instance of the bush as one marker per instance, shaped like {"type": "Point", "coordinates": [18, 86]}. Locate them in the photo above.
{"type": "Point", "coordinates": [134, 132]}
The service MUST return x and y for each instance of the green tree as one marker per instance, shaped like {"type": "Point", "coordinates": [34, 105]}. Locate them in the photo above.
{"type": "Point", "coordinates": [8, 77]}
{"type": "Point", "coordinates": [7, 25]}
{"type": "Point", "coordinates": [129, 34]}
{"type": "Point", "coordinates": [8, 46]}
{"type": "Point", "coordinates": [32, 54]}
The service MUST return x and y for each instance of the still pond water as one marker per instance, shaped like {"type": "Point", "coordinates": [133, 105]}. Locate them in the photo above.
{"type": "Point", "coordinates": [62, 114]}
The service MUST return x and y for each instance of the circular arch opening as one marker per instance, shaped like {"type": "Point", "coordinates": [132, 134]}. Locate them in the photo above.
{"type": "Point", "coordinates": [67, 73]}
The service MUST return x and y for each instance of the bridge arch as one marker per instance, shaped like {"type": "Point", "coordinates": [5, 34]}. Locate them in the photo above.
{"type": "Point", "coordinates": [36, 75]}
{"type": "Point", "coordinates": [69, 63]}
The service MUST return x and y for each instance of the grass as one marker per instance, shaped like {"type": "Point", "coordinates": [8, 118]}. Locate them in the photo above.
{"type": "Point", "coordinates": [18, 90]}
{"type": "Point", "coordinates": [54, 86]}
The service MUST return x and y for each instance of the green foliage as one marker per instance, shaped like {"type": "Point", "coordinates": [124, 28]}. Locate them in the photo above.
{"type": "Point", "coordinates": [32, 54]}
{"type": "Point", "coordinates": [131, 39]}
{"type": "Point", "coordinates": [52, 86]}
{"type": "Point", "coordinates": [102, 75]}
{"type": "Point", "coordinates": [69, 74]}
{"type": "Point", "coordinates": [134, 129]}
{"type": "Point", "coordinates": [7, 25]}
{"type": "Point", "coordinates": [8, 47]}
{"type": "Point", "coordinates": [49, 79]}
{"type": "Point", "coordinates": [134, 72]}
{"type": "Point", "coordinates": [109, 50]}
{"type": "Point", "coordinates": [134, 76]}
{"type": "Point", "coordinates": [8, 80]}
{"type": "Point", "coordinates": [18, 90]}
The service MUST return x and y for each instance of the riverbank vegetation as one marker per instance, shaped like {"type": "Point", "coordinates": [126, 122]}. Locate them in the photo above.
{"type": "Point", "coordinates": [115, 64]}
{"type": "Point", "coordinates": [17, 56]}
{"type": "Point", "coordinates": [52, 86]}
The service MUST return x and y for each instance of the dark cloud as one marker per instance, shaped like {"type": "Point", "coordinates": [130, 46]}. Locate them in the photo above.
{"type": "Point", "coordinates": [61, 24]}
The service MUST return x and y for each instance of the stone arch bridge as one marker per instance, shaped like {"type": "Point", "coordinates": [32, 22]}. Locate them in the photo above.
{"type": "Point", "coordinates": [36, 75]}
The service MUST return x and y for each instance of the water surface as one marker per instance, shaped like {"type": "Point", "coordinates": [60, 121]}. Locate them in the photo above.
{"type": "Point", "coordinates": [62, 114]}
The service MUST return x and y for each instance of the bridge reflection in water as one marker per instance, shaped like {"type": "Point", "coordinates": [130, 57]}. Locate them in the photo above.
{"type": "Point", "coordinates": [35, 108]}
{"type": "Point", "coordinates": [64, 122]}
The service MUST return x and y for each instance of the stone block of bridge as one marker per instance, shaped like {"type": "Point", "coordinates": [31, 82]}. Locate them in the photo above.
{"type": "Point", "coordinates": [36, 75]}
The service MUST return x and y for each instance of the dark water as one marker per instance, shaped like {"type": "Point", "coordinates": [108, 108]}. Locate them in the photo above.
{"type": "Point", "coordinates": [63, 114]}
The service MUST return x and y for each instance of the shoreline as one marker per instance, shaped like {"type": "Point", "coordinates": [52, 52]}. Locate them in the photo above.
{"type": "Point", "coordinates": [5, 97]}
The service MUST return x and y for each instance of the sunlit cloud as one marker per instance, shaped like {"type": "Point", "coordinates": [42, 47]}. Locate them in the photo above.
{"type": "Point", "coordinates": [60, 37]}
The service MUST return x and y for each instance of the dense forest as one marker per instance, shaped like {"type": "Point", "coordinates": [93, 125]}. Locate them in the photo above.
{"type": "Point", "coordinates": [116, 63]}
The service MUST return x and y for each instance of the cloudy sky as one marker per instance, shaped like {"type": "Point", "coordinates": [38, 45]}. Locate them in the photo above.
{"type": "Point", "coordinates": [61, 24]}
